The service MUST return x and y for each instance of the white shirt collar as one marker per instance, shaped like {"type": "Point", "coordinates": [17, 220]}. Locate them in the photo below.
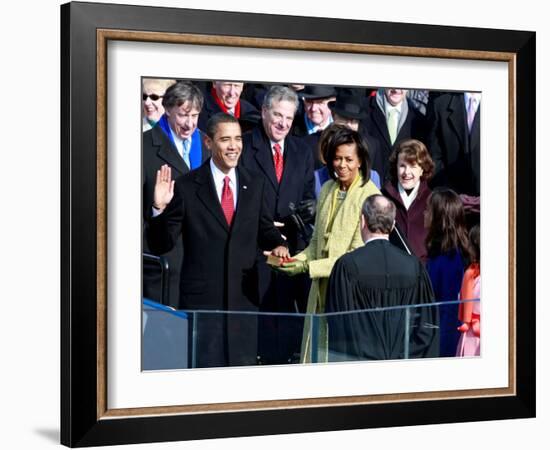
{"type": "Point", "coordinates": [389, 107]}
{"type": "Point", "coordinates": [407, 199]}
{"type": "Point", "coordinates": [218, 175]}
{"type": "Point", "coordinates": [385, 106]}
{"type": "Point", "coordinates": [475, 95]}
{"type": "Point", "coordinates": [378, 238]}
{"type": "Point", "coordinates": [179, 141]}
{"type": "Point", "coordinates": [281, 144]}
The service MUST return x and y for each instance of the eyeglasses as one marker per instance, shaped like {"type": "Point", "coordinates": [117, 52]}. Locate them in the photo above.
{"type": "Point", "coordinates": [153, 97]}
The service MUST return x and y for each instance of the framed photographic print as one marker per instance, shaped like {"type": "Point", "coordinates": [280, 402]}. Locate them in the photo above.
{"type": "Point", "coordinates": [108, 395]}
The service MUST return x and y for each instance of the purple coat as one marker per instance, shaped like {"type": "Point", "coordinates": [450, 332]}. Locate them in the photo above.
{"type": "Point", "coordinates": [411, 221]}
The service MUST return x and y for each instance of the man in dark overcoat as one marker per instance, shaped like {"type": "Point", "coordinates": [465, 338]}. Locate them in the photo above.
{"type": "Point", "coordinates": [390, 119]}
{"type": "Point", "coordinates": [219, 213]}
{"type": "Point", "coordinates": [453, 141]}
{"type": "Point", "coordinates": [287, 169]}
{"type": "Point", "coordinates": [176, 141]}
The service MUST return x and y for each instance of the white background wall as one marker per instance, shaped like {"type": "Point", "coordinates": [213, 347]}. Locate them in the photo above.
{"type": "Point", "coordinates": [29, 239]}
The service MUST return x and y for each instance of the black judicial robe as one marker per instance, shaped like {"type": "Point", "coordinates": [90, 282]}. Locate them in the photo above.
{"type": "Point", "coordinates": [380, 275]}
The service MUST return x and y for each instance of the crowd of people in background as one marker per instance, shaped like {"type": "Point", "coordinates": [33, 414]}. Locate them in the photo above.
{"type": "Point", "coordinates": [233, 171]}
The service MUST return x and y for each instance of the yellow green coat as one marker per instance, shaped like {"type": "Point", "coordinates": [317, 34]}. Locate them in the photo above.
{"type": "Point", "coordinates": [345, 237]}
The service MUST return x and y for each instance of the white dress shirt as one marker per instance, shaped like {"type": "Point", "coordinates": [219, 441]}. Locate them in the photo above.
{"type": "Point", "coordinates": [398, 108]}
{"type": "Point", "coordinates": [477, 100]}
{"type": "Point", "coordinates": [179, 142]}
{"type": "Point", "coordinates": [219, 176]}
{"type": "Point", "coordinates": [281, 144]}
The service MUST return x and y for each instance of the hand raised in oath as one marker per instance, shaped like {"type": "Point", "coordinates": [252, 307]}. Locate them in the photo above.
{"type": "Point", "coordinates": [164, 188]}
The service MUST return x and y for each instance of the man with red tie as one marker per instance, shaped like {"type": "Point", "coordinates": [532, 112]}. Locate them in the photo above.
{"type": "Point", "coordinates": [219, 213]}
{"type": "Point", "coordinates": [287, 168]}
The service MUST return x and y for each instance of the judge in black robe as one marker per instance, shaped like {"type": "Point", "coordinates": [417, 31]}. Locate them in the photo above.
{"type": "Point", "coordinates": [380, 275]}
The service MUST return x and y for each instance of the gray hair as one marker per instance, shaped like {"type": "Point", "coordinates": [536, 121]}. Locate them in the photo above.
{"type": "Point", "coordinates": [280, 93]}
{"type": "Point", "coordinates": [182, 92]}
{"type": "Point", "coordinates": [379, 214]}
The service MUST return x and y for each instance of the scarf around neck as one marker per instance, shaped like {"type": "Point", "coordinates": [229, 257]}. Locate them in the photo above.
{"type": "Point", "coordinates": [195, 152]}
{"type": "Point", "coordinates": [223, 107]}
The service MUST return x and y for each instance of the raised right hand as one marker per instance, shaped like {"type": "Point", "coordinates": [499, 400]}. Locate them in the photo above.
{"type": "Point", "coordinates": [164, 188]}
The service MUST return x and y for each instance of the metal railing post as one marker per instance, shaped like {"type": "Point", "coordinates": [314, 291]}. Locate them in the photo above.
{"type": "Point", "coordinates": [407, 332]}
{"type": "Point", "coordinates": [194, 341]}
{"type": "Point", "coordinates": [314, 338]}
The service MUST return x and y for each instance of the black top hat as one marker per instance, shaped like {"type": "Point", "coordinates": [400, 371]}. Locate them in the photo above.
{"type": "Point", "coordinates": [347, 106]}
{"type": "Point", "coordinates": [311, 92]}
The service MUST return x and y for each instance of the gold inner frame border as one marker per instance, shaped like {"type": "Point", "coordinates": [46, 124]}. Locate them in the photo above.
{"type": "Point", "coordinates": [105, 35]}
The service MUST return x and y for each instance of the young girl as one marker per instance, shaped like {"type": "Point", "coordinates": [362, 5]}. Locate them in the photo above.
{"type": "Point", "coordinates": [469, 312]}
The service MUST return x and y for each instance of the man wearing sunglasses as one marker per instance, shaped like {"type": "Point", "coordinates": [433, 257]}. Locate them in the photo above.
{"type": "Point", "coordinates": [176, 141]}
{"type": "Point", "coordinates": [220, 214]}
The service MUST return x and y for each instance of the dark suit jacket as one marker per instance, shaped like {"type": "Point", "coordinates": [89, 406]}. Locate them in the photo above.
{"type": "Point", "coordinates": [278, 336]}
{"type": "Point", "coordinates": [218, 270]}
{"type": "Point", "coordinates": [376, 127]}
{"type": "Point", "coordinates": [308, 142]}
{"type": "Point", "coordinates": [210, 107]}
{"type": "Point", "coordinates": [454, 150]}
{"type": "Point", "coordinates": [380, 275]}
{"type": "Point", "coordinates": [158, 150]}
{"type": "Point", "coordinates": [297, 182]}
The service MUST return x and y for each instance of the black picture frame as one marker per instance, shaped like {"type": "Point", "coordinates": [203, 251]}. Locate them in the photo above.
{"type": "Point", "coordinates": [84, 419]}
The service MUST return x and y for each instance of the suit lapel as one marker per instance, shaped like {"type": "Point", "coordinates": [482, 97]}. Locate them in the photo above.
{"type": "Point", "coordinates": [290, 160]}
{"type": "Point", "coordinates": [404, 126]}
{"type": "Point", "coordinates": [168, 152]}
{"type": "Point", "coordinates": [380, 121]}
{"type": "Point", "coordinates": [457, 118]}
{"type": "Point", "coordinates": [206, 192]}
{"type": "Point", "coordinates": [474, 133]}
{"type": "Point", "coordinates": [244, 182]}
{"type": "Point", "coordinates": [264, 157]}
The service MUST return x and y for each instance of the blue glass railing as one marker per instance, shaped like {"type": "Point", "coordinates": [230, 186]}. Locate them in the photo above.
{"type": "Point", "coordinates": [205, 338]}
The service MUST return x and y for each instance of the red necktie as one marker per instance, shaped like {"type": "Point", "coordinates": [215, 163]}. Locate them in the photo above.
{"type": "Point", "coordinates": [278, 160]}
{"type": "Point", "coordinates": [227, 201]}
